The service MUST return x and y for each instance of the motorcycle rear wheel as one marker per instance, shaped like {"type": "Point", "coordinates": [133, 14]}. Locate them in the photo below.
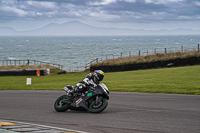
{"type": "Point", "coordinates": [59, 106]}
{"type": "Point", "coordinates": [98, 107]}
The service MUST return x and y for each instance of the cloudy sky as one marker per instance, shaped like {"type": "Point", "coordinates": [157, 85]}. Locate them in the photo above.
{"type": "Point", "coordinates": [133, 14]}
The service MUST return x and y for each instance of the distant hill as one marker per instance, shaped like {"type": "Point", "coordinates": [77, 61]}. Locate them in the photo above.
{"type": "Point", "coordinates": [7, 31]}
{"type": "Point", "coordinates": [78, 28]}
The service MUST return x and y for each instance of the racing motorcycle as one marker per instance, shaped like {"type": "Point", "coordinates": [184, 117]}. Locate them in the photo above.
{"type": "Point", "coordinates": [95, 100]}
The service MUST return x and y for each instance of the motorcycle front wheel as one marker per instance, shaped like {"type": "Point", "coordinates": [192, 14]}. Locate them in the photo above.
{"type": "Point", "coordinates": [59, 106]}
{"type": "Point", "coordinates": [98, 107]}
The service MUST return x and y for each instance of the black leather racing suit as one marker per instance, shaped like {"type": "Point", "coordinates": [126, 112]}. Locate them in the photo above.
{"type": "Point", "coordinates": [88, 80]}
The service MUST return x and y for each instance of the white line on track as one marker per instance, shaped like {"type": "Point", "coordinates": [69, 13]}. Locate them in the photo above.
{"type": "Point", "coordinates": [50, 127]}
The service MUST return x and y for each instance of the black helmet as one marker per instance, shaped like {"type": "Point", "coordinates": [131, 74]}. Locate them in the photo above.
{"type": "Point", "coordinates": [99, 75]}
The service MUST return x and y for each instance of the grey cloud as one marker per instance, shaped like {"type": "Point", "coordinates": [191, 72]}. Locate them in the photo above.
{"type": "Point", "coordinates": [102, 10]}
{"type": "Point", "coordinates": [142, 11]}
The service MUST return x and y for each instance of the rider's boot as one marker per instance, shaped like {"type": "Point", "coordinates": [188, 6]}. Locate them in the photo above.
{"type": "Point", "coordinates": [70, 91]}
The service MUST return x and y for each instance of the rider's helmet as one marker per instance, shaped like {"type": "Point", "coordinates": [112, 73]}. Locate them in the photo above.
{"type": "Point", "coordinates": [98, 75]}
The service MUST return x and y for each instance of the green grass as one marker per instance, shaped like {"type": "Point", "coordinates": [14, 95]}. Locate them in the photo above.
{"type": "Point", "coordinates": [177, 80]}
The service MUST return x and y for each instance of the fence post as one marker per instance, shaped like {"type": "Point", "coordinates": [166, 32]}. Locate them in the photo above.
{"type": "Point", "coordinates": [121, 54]}
{"type": "Point", "coordinates": [198, 47]}
{"type": "Point", "coordinates": [147, 52]}
{"type": "Point", "coordinates": [97, 60]}
{"type": "Point", "coordinates": [28, 62]}
{"type": "Point", "coordinates": [129, 53]}
{"type": "Point", "coordinates": [139, 52]}
{"type": "Point", "coordinates": [165, 51]}
{"type": "Point", "coordinates": [182, 49]}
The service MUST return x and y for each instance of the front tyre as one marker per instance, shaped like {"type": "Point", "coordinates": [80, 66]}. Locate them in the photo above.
{"type": "Point", "coordinates": [59, 106]}
{"type": "Point", "coordinates": [98, 107]}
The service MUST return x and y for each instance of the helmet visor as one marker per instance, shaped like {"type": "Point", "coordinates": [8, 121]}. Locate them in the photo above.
{"type": "Point", "coordinates": [101, 77]}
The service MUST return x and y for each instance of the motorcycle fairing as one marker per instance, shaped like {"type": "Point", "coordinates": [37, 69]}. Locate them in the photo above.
{"type": "Point", "coordinates": [82, 101]}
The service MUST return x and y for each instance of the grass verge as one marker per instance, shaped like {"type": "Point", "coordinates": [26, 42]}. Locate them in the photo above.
{"type": "Point", "coordinates": [177, 80]}
{"type": "Point", "coordinates": [148, 58]}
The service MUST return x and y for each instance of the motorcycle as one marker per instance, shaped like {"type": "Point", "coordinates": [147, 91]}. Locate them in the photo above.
{"type": "Point", "coordinates": [95, 100]}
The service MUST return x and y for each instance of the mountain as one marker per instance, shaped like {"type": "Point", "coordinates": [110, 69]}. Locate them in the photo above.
{"type": "Point", "coordinates": [78, 28]}
{"type": "Point", "coordinates": [7, 31]}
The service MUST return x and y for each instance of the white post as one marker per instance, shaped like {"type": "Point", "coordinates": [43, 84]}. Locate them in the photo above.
{"type": "Point", "coordinates": [28, 81]}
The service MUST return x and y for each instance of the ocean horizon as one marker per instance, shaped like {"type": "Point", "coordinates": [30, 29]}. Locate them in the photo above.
{"type": "Point", "coordinates": [74, 52]}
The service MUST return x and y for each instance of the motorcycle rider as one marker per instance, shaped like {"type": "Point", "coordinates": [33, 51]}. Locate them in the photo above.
{"type": "Point", "coordinates": [90, 79]}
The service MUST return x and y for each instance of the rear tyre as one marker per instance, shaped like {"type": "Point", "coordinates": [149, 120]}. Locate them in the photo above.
{"type": "Point", "coordinates": [98, 107]}
{"type": "Point", "coordinates": [59, 106]}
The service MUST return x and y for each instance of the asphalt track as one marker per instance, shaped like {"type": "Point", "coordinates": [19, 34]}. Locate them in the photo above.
{"type": "Point", "coordinates": [126, 112]}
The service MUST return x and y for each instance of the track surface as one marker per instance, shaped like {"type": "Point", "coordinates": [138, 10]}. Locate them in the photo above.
{"type": "Point", "coordinates": [126, 112]}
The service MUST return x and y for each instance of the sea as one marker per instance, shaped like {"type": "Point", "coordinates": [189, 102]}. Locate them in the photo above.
{"type": "Point", "coordinates": [74, 52]}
